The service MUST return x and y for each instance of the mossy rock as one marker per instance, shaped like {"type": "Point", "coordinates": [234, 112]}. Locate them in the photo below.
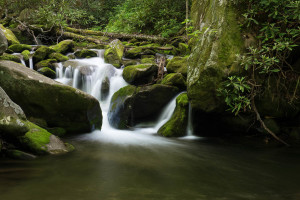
{"type": "Point", "coordinates": [26, 55]}
{"type": "Point", "coordinates": [64, 47]}
{"type": "Point", "coordinates": [9, 57]}
{"type": "Point", "coordinates": [42, 53]}
{"type": "Point", "coordinates": [177, 125]}
{"type": "Point", "coordinates": [85, 53]}
{"type": "Point", "coordinates": [41, 142]}
{"type": "Point", "coordinates": [130, 62]}
{"type": "Point", "coordinates": [46, 63]}
{"type": "Point", "coordinates": [175, 79]}
{"type": "Point", "coordinates": [42, 98]}
{"type": "Point", "coordinates": [19, 155]}
{"type": "Point", "coordinates": [148, 60]}
{"type": "Point", "coordinates": [184, 49]}
{"type": "Point", "coordinates": [10, 36]}
{"type": "Point", "coordinates": [18, 48]}
{"type": "Point", "coordinates": [3, 42]}
{"type": "Point", "coordinates": [59, 57]}
{"type": "Point", "coordinates": [114, 53]}
{"type": "Point", "coordinates": [46, 71]}
{"type": "Point", "coordinates": [134, 53]}
{"type": "Point", "coordinates": [140, 74]}
{"type": "Point", "coordinates": [131, 105]}
{"type": "Point", "coordinates": [178, 65]}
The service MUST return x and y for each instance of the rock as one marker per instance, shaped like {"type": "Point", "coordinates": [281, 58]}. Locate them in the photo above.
{"type": "Point", "coordinates": [178, 65]}
{"type": "Point", "coordinates": [175, 79]}
{"type": "Point", "coordinates": [3, 42]}
{"type": "Point", "coordinates": [10, 36]}
{"type": "Point", "coordinates": [213, 52]}
{"type": "Point", "coordinates": [20, 155]}
{"type": "Point", "coordinates": [148, 60]}
{"type": "Point", "coordinates": [46, 71]}
{"type": "Point", "coordinates": [177, 125]}
{"type": "Point", "coordinates": [105, 85]}
{"type": "Point", "coordinates": [18, 48]}
{"type": "Point", "coordinates": [183, 49]}
{"type": "Point", "coordinates": [12, 117]}
{"type": "Point", "coordinates": [64, 47]}
{"type": "Point", "coordinates": [85, 53]}
{"type": "Point", "coordinates": [26, 55]}
{"type": "Point", "coordinates": [137, 52]}
{"type": "Point", "coordinates": [9, 57]}
{"type": "Point", "coordinates": [114, 53]}
{"type": "Point", "coordinates": [40, 141]}
{"type": "Point", "coordinates": [42, 53]}
{"type": "Point", "coordinates": [43, 98]}
{"type": "Point", "coordinates": [45, 63]}
{"type": "Point", "coordinates": [131, 104]}
{"type": "Point", "coordinates": [140, 74]}
{"type": "Point", "coordinates": [130, 62]}
{"type": "Point", "coordinates": [59, 57]}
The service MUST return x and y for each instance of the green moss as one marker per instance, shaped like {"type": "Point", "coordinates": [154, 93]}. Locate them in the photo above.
{"type": "Point", "coordinates": [26, 54]}
{"type": "Point", "coordinates": [178, 65]}
{"type": "Point", "coordinates": [11, 38]}
{"type": "Point", "coordinates": [59, 57]}
{"type": "Point", "coordinates": [42, 53]}
{"type": "Point", "coordinates": [85, 53]}
{"type": "Point", "coordinates": [18, 48]}
{"type": "Point", "coordinates": [175, 79]}
{"type": "Point", "coordinates": [114, 53]}
{"type": "Point", "coordinates": [66, 46]}
{"type": "Point", "coordinates": [134, 53]}
{"type": "Point", "coordinates": [10, 58]}
{"type": "Point", "coordinates": [183, 49]}
{"type": "Point", "coordinates": [57, 131]}
{"type": "Point", "coordinates": [46, 71]}
{"type": "Point", "coordinates": [46, 63]}
{"type": "Point", "coordinates": [140, 74]}
{"type": "Point", "coordinates": [148, 60]}
{"type": "Point", "coordinates": [36, 139]}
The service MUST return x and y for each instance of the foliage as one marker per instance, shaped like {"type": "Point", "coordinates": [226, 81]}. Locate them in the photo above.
{"type": "Point", "coordinates": [277, 25]}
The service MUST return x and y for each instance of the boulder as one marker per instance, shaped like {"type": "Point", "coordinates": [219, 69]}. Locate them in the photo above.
{"type": "Point", "coordinates": [114, 53]}
{"type": "Point", "coordinates": [42, 98]}
{"type": "Point", "coordinates": [130, 62]}
{"type": "Point", "coordinates": [175, 79]}
{"type": "Point", "coordinates": [140, 74]}
{"type": "Point", "coordinates": [178, 65]}
{"type": "Point", "coordinates": [10, 36]}
{"type": "Point", "coordinates": [45, 63]}
{"type": "Point", "coordinates": [105, 85]}
{"type": "Point", "coordinates": [148, 60]}
{"type": "Point", "coordinates": [177, 125]}
{"type": "Point", "coordinates": [137, 52]}
{"type": "Point", "coordinates": [85, 53]}
{"type": "Point", "coordinates": [19, 155]}
{"type": "Point", "coordinates": [18, 48]}
{"type": "Point", "coordinates": [10, 57]}
{"type": "Point", "coordinates": [3, 42]}
{"type": "Point", "coordinates": [26, 55]}
{"type": "Point", "coordinates": [59, 57]}
{"type": "Point", "coordinates": [42, 53]}
{"type": "Point", "coordinates": [46, 71]}
{"type": "Point", "coordinates": [132, 104]}
{"type": "Point", "coordinates": [183, 49]}
{"type": "Point", "coordinates": [64, 47]}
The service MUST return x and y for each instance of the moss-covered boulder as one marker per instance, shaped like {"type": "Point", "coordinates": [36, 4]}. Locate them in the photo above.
{"type": "Point", "coordinates": [3, 42]}
{"type": "Point", "coordinates": [42, 98]}
{"type": "Point", "coordinates": [19, 155]}
{"type": "Point", "coordinates": [183, 49]}
{"type": "Point", "coordinates": [46, 71]}
{"type": "Point", "coordinates": [140, 74]}
{"type": "Point", "coordinates": [18, 48]}
{"type": "Point", "coordinates": [175, 79]}
{"type": "Point", "coordinates": [114, 53]}
{"type": "Point", "coordinates": [177, 125]}
{"type": "Point", "coordinates": [132, 104]}
{"type": "Point", "coordinates": [42, 53]}
{"type": "Point", "coordinates": [130, 62]}
{"type": "Point", "coordinates": [64, 47]}
{"type": "Point", "coordinates": [134, 53]}
{"type": "Point", "coordinates": [178, 65]}
{"type": "Point", "coordinates": [45, 63]}
{"type": "Point", "coordinates": [85, 53]}
{"type": "Point", "coordinates": [26, 55]}
{"type": "Point", "coordinates": [213, 53]}
{"type": "Point", "coordinates": [10, 57]}
{"type": "Point", "coordinates": [10, 36]}
{"type": "Point", "coordinates": [59, 57]}
{"type": "Point", "coordinates": [148, 60]}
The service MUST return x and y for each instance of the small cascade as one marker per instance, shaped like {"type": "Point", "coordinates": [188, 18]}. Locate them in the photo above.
{"type": "Point", "coordinates": [190, 122]}
{"type": "Point", "coordinates": [30, 63]}
{"type": "Point", "coordinates": [22, 61]}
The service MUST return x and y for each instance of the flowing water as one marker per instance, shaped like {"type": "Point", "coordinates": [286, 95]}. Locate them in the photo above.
{"type": "Point", "coordinates": [126, 165]}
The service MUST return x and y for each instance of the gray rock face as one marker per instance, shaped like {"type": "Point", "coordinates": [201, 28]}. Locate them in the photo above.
{"type": "Point", "coordinates": [42, 98]}
{"type": "Point", "coordinates": [3, 42]}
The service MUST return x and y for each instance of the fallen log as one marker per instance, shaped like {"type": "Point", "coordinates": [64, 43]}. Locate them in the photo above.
{"type": "Point", "coordinates": [118, 35]}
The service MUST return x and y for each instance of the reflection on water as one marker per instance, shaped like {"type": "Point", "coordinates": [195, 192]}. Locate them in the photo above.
{"type": "Point", "coordinates": [142, 166]}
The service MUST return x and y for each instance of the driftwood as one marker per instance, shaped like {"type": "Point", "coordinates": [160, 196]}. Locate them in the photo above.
{"type": "Point", "coordinates": [118, 35]}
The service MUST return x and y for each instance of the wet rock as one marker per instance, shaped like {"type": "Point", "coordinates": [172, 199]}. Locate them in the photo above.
{"type": "Point", "coordinates": [140, 74]}
{"type": "Point", "coordinates": [46, 71]}
{"type": "Point", "coordinates": [175, 79]}
{"type": "Point", "coordinates": [3, 42]}
{"type": "Point", "coordinates": [178, 65]}
{"type": "Point", "coordinates": [19, 155]}
{"type": "Point", "coordinates": [42, 53]}
{"type": "Point", "coordinates": [49, 63]}
{"type": "Point", "coordinates": [105, 88]}
{"type": "Point", "coordinates": [64, 47]}
{"type": "Point", "coordinates": [177, 125]}
{"type": "Point", "coordinates": [59, 57]}
{"type": "Point", "coordinates": [9, 57]}
{"type": "Point", "coordinates": [132, 104]}
{"type": "Point", "coordinates": [114, 53]}
{"type": "Point", "coordinates": [18, 48]}
{"type": "Point", "coordinates": [10, 36]}
{"type": "Point", "coordinates": [85, 53]}
{"type": "Point", "coordinates": [43, 98]}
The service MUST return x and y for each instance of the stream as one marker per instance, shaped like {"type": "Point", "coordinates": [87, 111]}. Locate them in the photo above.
{"type": "Point", "coordinates": [139, 165]}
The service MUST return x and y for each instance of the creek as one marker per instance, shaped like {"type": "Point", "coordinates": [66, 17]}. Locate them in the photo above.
{"type": "Point", "coordinates": [137, 164]}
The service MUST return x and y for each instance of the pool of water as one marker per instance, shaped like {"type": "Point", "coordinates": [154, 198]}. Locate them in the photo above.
{"type": "Point", "coordinates": [133, 165]}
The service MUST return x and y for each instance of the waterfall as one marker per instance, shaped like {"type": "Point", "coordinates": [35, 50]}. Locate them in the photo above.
{"type": "Point", "coordinates": [30, 63]}
{"type": "Point", "coordinates": [190, 122]}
